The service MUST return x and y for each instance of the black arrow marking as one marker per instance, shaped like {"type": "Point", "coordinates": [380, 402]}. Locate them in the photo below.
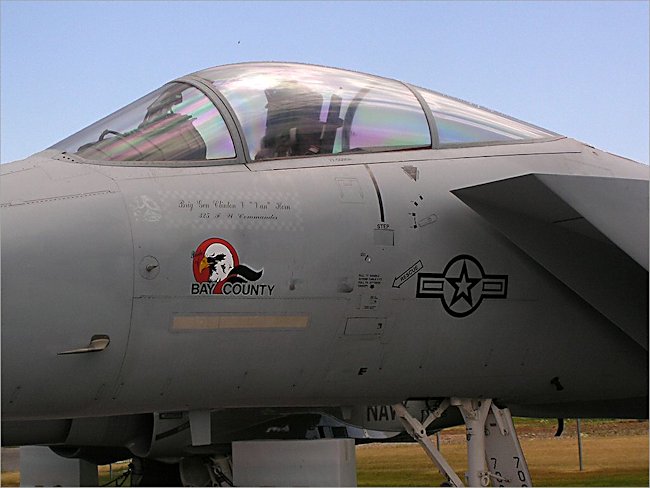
{"type": "Point", "coordinates": [408, 274]}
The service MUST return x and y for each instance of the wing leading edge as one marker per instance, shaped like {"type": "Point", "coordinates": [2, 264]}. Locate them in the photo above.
{"type": "Point", "coordinates": [589, 232]}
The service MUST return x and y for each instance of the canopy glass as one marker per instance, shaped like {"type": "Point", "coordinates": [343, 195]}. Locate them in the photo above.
{"type": "Point", "coordinates": [281, 110]}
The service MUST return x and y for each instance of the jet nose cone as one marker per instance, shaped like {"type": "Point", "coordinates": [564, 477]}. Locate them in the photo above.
{"type": "Point", "coordinates": [67, 274]}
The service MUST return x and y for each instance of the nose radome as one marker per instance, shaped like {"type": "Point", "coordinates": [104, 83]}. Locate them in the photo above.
{"type": "Point", "coordinates": [67, 275]}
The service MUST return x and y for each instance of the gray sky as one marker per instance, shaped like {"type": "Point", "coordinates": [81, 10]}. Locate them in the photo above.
{"type": "Point", "coordinates": [576, 68]}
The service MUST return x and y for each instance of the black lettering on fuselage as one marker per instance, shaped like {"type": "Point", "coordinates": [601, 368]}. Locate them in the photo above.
{"type": "Point", "coordinates": [379, 413]}
{"type": "Point", "coordinates": [371, 411]}
{"type": "Point", "coordinates": [203, 288]}
{"type": "Point", "coordinates": [247, 289]}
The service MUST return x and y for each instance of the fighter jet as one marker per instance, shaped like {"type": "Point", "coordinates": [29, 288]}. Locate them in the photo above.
{"type": "Point", "coordinates": [262, 263]}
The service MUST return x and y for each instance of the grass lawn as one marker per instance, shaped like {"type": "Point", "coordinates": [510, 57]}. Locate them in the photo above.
{"type": "Point", "coordinates": [618, 461]}
{"type": "Point", "coordinates": [614, 454]}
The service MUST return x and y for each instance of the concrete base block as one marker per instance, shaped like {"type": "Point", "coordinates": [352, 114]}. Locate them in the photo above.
{"type": "Point", "coordinates": [322, 462]}
{"type": "Point", "coordinates": [39, 466]}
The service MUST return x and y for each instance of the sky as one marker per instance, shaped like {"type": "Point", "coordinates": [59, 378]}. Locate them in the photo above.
{"type": "Point", "coordinates": [578, 68]}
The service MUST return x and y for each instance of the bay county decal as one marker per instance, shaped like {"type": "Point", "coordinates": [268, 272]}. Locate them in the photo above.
{"type": "Point", "coordinates": [217, 271]}
{"type": "Point", "coordinates": [462, 286]}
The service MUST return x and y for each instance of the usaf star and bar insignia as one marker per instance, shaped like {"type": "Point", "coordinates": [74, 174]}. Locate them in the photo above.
{"type": "Point", "coordinates": [462, 286]}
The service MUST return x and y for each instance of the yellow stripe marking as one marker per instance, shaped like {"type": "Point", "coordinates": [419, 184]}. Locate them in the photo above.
{"type": "Point", "coordinates": [209, 322]}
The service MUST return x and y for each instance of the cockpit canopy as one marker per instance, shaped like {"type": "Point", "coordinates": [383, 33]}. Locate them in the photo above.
{"type": "Point", "coordinates": [280, 110]}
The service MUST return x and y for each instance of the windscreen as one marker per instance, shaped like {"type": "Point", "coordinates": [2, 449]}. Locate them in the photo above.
{"type": "Point", "coordinates": [174, 123]}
